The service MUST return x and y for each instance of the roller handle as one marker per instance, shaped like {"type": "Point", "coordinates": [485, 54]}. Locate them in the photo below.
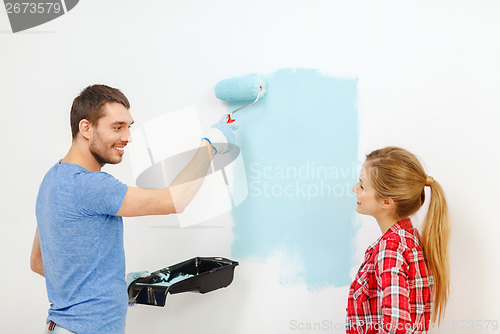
{"type": "Point", "coordinates": [248, 105]}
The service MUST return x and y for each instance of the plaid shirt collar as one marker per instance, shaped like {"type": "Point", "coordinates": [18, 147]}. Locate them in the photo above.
{"type": "Point", "coordinates": [400, 225]}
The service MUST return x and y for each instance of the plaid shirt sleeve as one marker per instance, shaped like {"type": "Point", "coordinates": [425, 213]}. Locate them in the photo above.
{"type": "Point", "coordinates": [391, 267]}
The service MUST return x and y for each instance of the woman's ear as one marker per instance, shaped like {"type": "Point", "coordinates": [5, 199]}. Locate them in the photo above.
{"type": "Point", "coordinates": [388, 203]}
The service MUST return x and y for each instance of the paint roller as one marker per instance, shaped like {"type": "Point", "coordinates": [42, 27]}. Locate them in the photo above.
{"type": "Point", "coordinates": [241, 89]}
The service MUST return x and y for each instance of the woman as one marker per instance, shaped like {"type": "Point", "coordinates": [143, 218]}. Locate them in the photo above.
{"type": "Point", "coordinates": [404, 277]}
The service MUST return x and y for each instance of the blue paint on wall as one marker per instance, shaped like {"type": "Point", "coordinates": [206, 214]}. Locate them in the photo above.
{"type": "Point", "coordinates": [300, 147]}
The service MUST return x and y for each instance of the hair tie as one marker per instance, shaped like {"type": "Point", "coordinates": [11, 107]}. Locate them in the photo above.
{"type": "Point", "coordinates": [429, 180]}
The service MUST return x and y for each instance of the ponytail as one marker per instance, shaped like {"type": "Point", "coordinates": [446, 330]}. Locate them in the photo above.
{"type": "Point", "coordinates": [435, 235]}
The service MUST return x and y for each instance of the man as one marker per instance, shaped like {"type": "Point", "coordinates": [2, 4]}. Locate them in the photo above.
{"type": "Point", "coordinates": [79, 213]}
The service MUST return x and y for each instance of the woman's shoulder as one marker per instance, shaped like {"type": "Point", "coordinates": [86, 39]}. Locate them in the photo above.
{"type": "Point", "coordinates": [401, 246]}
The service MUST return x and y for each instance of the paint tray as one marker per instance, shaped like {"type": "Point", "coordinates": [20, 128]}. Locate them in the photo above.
{"type": "Point", "coordinates": [200, 274]}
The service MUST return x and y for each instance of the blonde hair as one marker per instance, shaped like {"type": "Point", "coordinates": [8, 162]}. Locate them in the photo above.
{"type": "Point", "coordinates": [397, 174]}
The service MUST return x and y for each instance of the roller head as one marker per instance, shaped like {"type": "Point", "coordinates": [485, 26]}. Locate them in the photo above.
{"type": "Point", "coordinates": [240, 89]}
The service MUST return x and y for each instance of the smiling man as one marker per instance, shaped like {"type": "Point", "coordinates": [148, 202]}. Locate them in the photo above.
{"type": "Point", "coordinates": [78, 244]}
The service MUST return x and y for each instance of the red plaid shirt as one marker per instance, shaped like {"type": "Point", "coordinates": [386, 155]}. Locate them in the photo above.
{"type": "Point", "coordinates": [393, 288]}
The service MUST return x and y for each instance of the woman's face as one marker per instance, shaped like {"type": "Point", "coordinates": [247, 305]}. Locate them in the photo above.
{"type": "Point", "coordinates": [368, 203]}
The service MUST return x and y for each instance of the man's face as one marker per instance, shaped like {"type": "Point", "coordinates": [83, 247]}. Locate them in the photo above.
{"type": "Point", "coordinates": [111, 134]}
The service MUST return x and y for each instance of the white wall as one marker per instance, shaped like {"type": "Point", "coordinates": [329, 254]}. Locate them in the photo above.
{"type": "Point", "coordinates": [428, 80]}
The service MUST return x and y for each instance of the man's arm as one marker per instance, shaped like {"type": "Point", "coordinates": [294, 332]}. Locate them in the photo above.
{"type": "Point", "coordinates": [36, 256]}
{"type": "Point", "coordinates": [173, 199]}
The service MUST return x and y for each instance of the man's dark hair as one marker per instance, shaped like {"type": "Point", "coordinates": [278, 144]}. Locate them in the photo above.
{"type": "Point", "coordinates": [90, 105]}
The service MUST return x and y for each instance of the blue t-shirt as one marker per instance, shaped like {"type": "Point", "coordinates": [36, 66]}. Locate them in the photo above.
{"type": "Point", "coordinates": [81, 239]}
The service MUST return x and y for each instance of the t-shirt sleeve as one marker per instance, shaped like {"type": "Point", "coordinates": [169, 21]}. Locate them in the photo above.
{"type": "Point", "coordinates": [99, 193]}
